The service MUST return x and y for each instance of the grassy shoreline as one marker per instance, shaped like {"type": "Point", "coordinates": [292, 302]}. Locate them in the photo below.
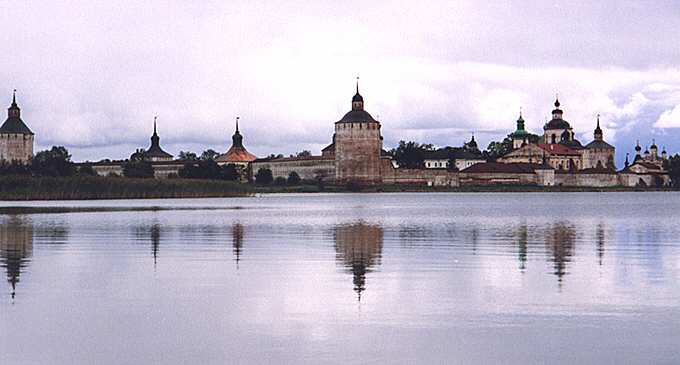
{"type": "Point", "coordinates": [16, 188]}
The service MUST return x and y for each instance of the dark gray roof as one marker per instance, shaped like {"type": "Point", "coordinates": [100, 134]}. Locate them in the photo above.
{"type": "Point", "coordinates": [557, 124]}
{"type": "Point", "coordinates": [15, 126]}
{"type": "Point", "coordinates": [357, 97]}
{"type": "Point", "coordinates": [574, 143]}
{"type": "Point", "coordinates": [155, 150]}
{"type": "Point", "coordinates": [355, 116]}
{"type": "Point", "coordinates": [599, 145]}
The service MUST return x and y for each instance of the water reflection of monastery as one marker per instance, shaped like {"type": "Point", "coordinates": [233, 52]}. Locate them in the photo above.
{"type": "Point", "coordinates": [16, 248]}
{"type": "Point", "coordinates": [237, 231]}
{"type": "Point", "coordinates": [358, 248]}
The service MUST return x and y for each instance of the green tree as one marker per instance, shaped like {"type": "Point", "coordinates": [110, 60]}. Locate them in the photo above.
{"type": "Point", "coordinates": [230, 172]}
{"type": "Point", "coordinates": [410, 154]}
{"type": "Point", "coordinates": [53, 162]}
{"type": "Point", "coordinates": [293, 178]}
{"type": "Point", "coordinates": [201, 169]}
{"type": "Point", "coordinates": [187, 156]}
{"type": "Point", "coordinates": [264, 176]}
{"type": "Point", "coordinates": [138, 169]}
{"type": "Point", "coordinates": [280, 180]}
{"type": "Point", "coordinates": [14, 168]}
{"type": "Point", "coordinates": [209, 154]}
{"type": "Point", "coordinates": [304, 153]}
{"type": "Point", "coordinates": [498, 149]}
{"type": "Point", "coordinates": [86, 170]}
{"type": "Point", "coordinates": [673, 167]}
{"type": "Point", "coordinates": [139, 155]}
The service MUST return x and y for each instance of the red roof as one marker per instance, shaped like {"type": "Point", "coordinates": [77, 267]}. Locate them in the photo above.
{"type": "Point", "coordinates": [558, 149]}
{"type": "Point", "coordinates": [284, 159]}
{"type": "Point", "coordinates": [496, 167]}
{"type": "Point", "coordinates": [236, 154]}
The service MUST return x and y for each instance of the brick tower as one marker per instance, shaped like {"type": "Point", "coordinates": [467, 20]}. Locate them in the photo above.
{"type": "Point", "coordinates": [358, 145]}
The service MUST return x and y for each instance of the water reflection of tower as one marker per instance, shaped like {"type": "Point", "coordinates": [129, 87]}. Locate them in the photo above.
{"type": "Point", "coordinates": [237, 241]}
{"type": "Point", "coordinates": [560, 245]}
{"type": "Point", "coordinates": [522, 240]}
{"type": "Point", "coordinates": [599, 237]}
{"type": "Point", "coordinates": [155, 241]}
{"type": "Point", "coordinates": [358, 247]}
{"type": "Point", "coordinates": [16, 246]}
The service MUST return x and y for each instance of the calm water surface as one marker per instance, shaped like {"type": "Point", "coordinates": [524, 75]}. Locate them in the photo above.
{"type": "Point", "coordinates": [343, 278]}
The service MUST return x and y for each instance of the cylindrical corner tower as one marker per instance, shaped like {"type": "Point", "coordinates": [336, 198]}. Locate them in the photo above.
{"type": "Point", "coordinates": [358, 146]}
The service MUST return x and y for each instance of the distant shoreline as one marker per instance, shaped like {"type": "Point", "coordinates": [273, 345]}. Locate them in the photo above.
{"type": "Point", "coordinates": [25, 188]}
{"type": "Point", "coordinates": [464, 189]}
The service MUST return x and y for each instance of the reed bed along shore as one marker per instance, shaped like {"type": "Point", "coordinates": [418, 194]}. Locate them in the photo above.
{"type": "Point", "coordinates": [95, 187]}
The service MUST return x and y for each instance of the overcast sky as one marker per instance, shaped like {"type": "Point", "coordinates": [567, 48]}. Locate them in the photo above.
{"type": "Point", "coordinates": [91, 75]}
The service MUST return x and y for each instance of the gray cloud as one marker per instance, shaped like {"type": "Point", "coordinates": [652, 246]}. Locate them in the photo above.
{"type": "Point", "coordinates": [92, 74]}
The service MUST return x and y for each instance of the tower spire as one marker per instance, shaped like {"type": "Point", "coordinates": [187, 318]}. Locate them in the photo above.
{"type": "Point", "coordinates": [357, 84]}
{"type": "Point", "coordinates": [154, 123]}
{"type": "Point", "coordinates": [14, 97]}
{"type": "Point", "coordinates": [237, 118]}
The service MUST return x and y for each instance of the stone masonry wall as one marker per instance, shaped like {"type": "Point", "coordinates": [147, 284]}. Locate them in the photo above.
{"type": "Point", "coordinates": [308, 169]}
{"type": "Point", "coordinates": [17, 147]}
{"type": "Point", "coordinates": [357, 152]}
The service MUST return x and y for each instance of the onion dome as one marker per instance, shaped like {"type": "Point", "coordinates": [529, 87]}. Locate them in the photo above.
{"type": "Point", "coordinates": [557, 122]}
{"type": "Point", "coordinates": [653, 146]}
{"type": "Point", "coordinates": [155, 151]}
{"type": "Point", "coordinates": [472, 144]}
{"type": "Point", "coordinates": [14, 124]}
{"type": "Point", "coordinates": [357, 114]}
{"type": "Point", "coordinates": [637, 147]}
{"type": "Point", "coordinates": [237, 153]}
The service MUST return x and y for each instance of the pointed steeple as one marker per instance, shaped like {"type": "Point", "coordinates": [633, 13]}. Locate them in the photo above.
{"type": "Point", "coordinates": [155, 152]}
{"type": "Point", "coordinates": [598, 131]}
{"type": "Point", "coordinates": [155, 140]}
{"type": "Point", "coordinates": [626, 163]}
{"type": "Point", "coordinates": [237, 138]}
{"type": "Point", "coordinates": [14, 111]}
{"type": "Point", "coordinates": [357, 100]}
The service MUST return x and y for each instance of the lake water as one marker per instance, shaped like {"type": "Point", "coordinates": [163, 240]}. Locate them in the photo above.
{"type": "Point", "coordinates": [343, 278]}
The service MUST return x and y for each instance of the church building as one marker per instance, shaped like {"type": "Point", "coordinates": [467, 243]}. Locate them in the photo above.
{"type": "Point", "coordinates": [16, 139]}
{"type": "Point", "coordinates": [558, 148]}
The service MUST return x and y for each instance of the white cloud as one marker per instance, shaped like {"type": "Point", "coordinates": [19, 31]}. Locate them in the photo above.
{"type": "Point", "coordinates": [669, 118]}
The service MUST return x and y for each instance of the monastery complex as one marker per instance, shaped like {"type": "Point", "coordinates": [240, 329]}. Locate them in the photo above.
{"type": "Point", "coordinates": [356, 155]}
